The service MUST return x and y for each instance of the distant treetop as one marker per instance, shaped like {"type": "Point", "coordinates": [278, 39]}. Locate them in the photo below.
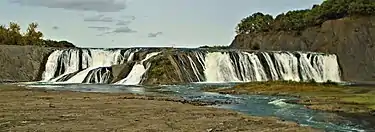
{"type": "Point", "coordinates": [12, 35]}
{"type": "Point", "coordinates": [301, 19]}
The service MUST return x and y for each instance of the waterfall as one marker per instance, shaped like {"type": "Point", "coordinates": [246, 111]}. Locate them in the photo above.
{"type": "Point", "coordinates": [96, 66]}
{"type": "Point", "coordinates": [80, 65]}
{"type": "Point", "coordinates": [262, 66]}
{"type": "Point", "coordinates": [286, 66]}
{"type": "Point", "coordinates": [99, 75]}
{"type": "Point", "coordinates": [219, 68]}
{"type": "Point", "coordinates": [251, 67]}
{"type": "Point", "coordinates": [271, 66]}
{"type": "Point", "coordinates": [138, 70]}
{"type": "Point", "coordinates": [191, 65]}
{"type": "Point", "coordinates": [242, 66]}
{"type": "Point", "coordinates": [135, 75]}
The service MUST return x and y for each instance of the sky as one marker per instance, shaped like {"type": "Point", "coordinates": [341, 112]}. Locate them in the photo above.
{"type": "Point", "coordinates": [141, 23]}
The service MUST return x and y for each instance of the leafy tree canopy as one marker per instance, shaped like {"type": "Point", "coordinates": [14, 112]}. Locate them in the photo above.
{"type": "Point", "coordinates": [301, 19]}
{"type": "Point", "coordinates": [12, 35]}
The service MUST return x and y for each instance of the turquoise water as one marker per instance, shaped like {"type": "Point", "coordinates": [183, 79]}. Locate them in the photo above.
{"type": "Point", "coordinates": [257, 105]}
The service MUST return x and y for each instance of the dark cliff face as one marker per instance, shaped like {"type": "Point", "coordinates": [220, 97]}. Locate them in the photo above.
{"type": "Point", "coordinates": [352, 39]}
{"type": "Point", "coordinates": [22, 63]}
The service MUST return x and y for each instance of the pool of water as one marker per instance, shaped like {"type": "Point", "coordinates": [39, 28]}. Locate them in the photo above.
{"type": "Point", "coordinates": [257, 105]}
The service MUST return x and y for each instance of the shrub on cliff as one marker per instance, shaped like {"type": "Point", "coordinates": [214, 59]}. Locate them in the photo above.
{"type": "Point", "coordinates": [258, 22]}
{"type": "Point", "coordinates": [12, 35]}
{"type": "Point", "coordinates": [301, 19]}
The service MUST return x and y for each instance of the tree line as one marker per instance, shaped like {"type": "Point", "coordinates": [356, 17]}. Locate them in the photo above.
{"type": "Point", "coordinates": [301, 19]}
{"type": "Point", "coordinates": [11, 35]}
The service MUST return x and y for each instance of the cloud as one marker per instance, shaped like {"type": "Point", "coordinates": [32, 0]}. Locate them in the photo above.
{"type": "Point", "coordinates": [153, 35]}
{"type": "Point", "coordinates": [85, 5]}
{"type": "Point", "coordinates": [119, 30]}
{"type": "Point", "coordinates": [127, 21]}
{"type": "Point", "coordinates": [98, 18]}
{"type": "Point", "coordinates": [128, 17]}
{"type": "Point", "coordinates": [123, 30]}
{"type": "Point", "coordinates": [99, 28]}
{"type": "Point", "coordinates": [55, 27]}
{"type": "Point", "coordinates": [123, 23]}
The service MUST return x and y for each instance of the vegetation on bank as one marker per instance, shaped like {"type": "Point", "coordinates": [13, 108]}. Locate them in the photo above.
{"type": "Point", "coordinates": [12, 35]}
{"type": "Point", "coordinates": [301, 19]}
{"type": "Point", "coordinates": [326, 96]}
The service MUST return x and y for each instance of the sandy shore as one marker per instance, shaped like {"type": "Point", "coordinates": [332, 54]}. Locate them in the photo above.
{"type": "Point", "coordinates": [41, 110]}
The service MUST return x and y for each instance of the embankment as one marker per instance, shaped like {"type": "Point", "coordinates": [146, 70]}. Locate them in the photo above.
{"type": "Point", "coordinates": [22, 63]}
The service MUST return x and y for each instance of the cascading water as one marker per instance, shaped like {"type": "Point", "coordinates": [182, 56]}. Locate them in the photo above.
{"type": "Point", "coordinates": [286, 65]}
{"type": "Point", "coordinates": [134, 76]}
{"type": "Point", "coordinates": [239, 66]}
{"type": "Point", "coordinates": [79, 65]}
{"type": "Point", "coordinates": [219, 68]}
{"type": "Point", "coordinates": [250, 67]}
{"type": "Point", "coordinates": [271, 66]}
{"type": "Point", "coordinates": [99, 75]}
{"type": "Point", "coordinates": [94, 66]}
{"type": "Point", "coordinates": [138, 70]}
{"type": "Point", "coordinates": [247, 67]}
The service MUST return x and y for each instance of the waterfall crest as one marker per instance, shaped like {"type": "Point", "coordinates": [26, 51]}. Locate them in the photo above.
{"type": "Point", "coordinates": [241, 66]}
{"type": "Point", "coordinates": [96, 65]}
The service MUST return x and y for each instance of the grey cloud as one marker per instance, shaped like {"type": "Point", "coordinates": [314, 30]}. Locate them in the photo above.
{"type": "Point", "coordinates": [123, 30]}
{"type": "Point", "coordinates": [119, 30]}
{"type": "Point", "coordinates": [98, 18]}
{"type": "Point", "coordinates": [129, 17]}
{"type": "Point", "coordinates": [99, 28]}
{"type": "Point", "coordinates": [86, 5]}
{"type": "Point", "coordinates": [123, 23]}
{"type": "Point", "coordinates": [55, 27]}
{"type": "Point", "coordinates": [153, 35]}
{"type": "Point", "coordinates": [127, 21]}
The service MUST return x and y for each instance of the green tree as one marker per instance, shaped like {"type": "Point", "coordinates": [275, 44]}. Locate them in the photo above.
{"type": "Point", "coordinates": [33, 36]}
{"type": "Point", "coordinates": [3, 34]}
{"type": "Point", "coordinates": [257, 22]}
{"type": "Point", "coordinates": [13, 35]}
{"type": "Point", "coordinates": [362, 7]}
{"type": "Point", "coordinates": [301, 19]}
{"type": "Point", "coordinates": [14, 27]}
{"type": "Point", "coordinates": [292, 20]}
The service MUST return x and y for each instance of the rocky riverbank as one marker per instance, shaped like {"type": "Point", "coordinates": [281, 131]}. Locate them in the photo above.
{"type": "Point", "coordinates": [43, 110]}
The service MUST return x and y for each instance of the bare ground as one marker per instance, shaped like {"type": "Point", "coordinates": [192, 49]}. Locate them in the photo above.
{"type": "Point", "coordinates": [41, 110]}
